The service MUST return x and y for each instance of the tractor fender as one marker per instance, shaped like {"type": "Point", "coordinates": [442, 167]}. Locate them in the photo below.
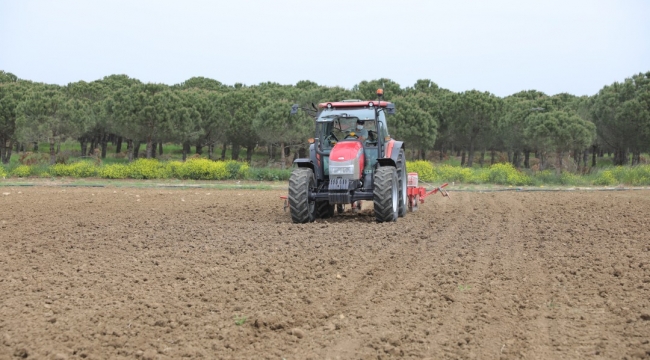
{"type": "Point", "coordinates": [391, 153]}
{"type": "Point", "coordinates": [392, 149]}
{"type": "Point", "coordinates": [304, 163]}
{"type": "Point", "coordinates": [312, 163]}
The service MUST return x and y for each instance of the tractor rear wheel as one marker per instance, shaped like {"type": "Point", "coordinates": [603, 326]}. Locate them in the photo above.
{"type": "Point", "coordinates": [324, 210]}
{"type": "Point", "coordinates": [300, 183]}
{"type": "Point", "coordinates": [401, 176]}
{"type": "Point", "coordinates": [386, 194]}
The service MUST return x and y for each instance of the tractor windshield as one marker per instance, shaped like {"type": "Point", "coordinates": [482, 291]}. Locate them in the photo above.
{"type": "Point", "coordinates": [335, 128]}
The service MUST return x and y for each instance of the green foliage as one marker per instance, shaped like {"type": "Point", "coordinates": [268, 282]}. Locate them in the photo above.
{"type": "Point", "coordinates": [605, 178]}
{"type": "Point", "coordinates": [3, 172]}
{"type": "Point", "coordinates": [423, 168]}
{"type": "Point", "coordinates": [147, 169]}
{"type": "Point", "coordinates": [636, 176]}
{"type": "Point", "coordinates": [113, 171]}
{"type": "Point", "coordinates": [269, 174]}
{"type": "Point", "coordinates": [203, 169]}
{"type": "Point", "coordinates": [240, 320]}
{"type": "Point", "coordinates": [502, 174]}
{"type": "Point", "coordinates": [506, 174]}
{"type": "Point", "coordinates": [22, 171]}
{"type": "Point", "coordinates": [79, 169]}
{"type": "Point", "coordinates": [236, 169]}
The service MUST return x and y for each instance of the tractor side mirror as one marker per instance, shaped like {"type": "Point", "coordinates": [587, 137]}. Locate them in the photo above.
{"type": "Point", "coordinates": [390, 109]}
{"type": "Point", "coordinates": [294, 109]}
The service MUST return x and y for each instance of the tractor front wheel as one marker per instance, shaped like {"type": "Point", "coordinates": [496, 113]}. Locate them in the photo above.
{"type": "Point", "coordinates": [386, 194]}
{"type": "Point", "coordinates": [300, 184]}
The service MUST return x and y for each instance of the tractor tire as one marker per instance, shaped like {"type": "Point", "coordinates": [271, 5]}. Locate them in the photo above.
{"type": "Point", "coordinates": [386, 194]}
{"type": "Point", "coordinates": [302, 210]}
{"type": "Point", "coordinates": [324, 210]}
{"type": "Point", "coordinates": [402, 179]}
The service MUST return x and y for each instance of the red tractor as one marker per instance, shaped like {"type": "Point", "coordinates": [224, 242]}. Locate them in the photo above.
{"type": "Point", "coordinates": [351, 158]}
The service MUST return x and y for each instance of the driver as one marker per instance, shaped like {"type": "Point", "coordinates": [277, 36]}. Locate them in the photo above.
{"type": "Point", "coordinates": [360, 132]}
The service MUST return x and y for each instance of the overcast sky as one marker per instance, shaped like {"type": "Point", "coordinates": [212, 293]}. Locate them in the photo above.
{"type": "Point", "coordinates": [503, 46]}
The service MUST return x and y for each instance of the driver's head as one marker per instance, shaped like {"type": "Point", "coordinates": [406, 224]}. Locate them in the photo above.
{"type": "Point", "coordinates": [359, 125]}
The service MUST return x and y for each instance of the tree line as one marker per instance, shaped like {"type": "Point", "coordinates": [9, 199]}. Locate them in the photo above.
{"type": "Point", "coordinates": [211, 117]}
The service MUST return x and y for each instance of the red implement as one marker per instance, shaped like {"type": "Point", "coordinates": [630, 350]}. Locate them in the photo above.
{"type": "Point", "coordinates": [416, 194]}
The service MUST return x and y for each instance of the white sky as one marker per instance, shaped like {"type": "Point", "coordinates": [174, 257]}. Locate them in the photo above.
{"type": "Point", "coordinates": [503, 46]}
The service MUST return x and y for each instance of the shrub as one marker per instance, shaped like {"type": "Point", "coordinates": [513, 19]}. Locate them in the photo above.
{"type": "Point", "coordinates": [269, 174]}
{"type": "Point", "coordinates": [114, 171]}
{"type": "Point", "coordinates": [146, 169]}
{"type": "Point", "coordinates": [423, 168]}
{"type": "Point", "coordinates": [606, 178]}
{"type": "Point", "coordinates": [22, 171]}
{"type": "Point", "coordinates": [639, 175]}
{"type": "Point", "coordinates": [244, 172]}
{"type": "Point", "coordinates": [567, 178]}
{"type": "Point", "coordinates": [233, 168]}
{"type": "Point", "coordinates": [506, 174]}
{"type": "Point", "coordinates": [203, 169]}
{"type": "Point", "coordinates": [3, 172]}
{"type": "Point", "coordinates": [79, 169]}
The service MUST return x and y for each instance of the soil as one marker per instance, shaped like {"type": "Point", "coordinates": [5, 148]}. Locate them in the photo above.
{"type": "Point", "coordinates": [98, 273]}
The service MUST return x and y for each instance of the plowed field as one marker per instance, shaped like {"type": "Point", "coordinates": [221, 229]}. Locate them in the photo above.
{"type": "Point", "coordinates": [168, 273]}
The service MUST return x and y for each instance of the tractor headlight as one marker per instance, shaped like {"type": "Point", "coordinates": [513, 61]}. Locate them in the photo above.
{"type": "Point", "coordinates": [342, 170]}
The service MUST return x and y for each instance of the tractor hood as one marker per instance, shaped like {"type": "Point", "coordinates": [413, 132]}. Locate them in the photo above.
{"type": "Point", "coordinates": [347, 160]}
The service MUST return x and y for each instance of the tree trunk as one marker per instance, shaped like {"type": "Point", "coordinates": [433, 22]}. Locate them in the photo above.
{"type": "Point", "coordinates": [516, 159]}
{"type": "Point", "coordinates": [136, 149]}
{"type": "Point", "coordinates": [52, 151]}
{"type": "Point", "coordinates": [620, 157]}
{"type": "Point", "coordinates": [481, 160]}
{"type": "Point", "coordinates": [235, 151]}
{"type": "Point", "coordinates": [83, 142]}
{"type": "Point", "coordinates": [462, 158]}
{"type": "Point", "coordinates": [104, 144]}
{"type": "Point", "coordinates": [7, 156]}
{"type": "Point", "coordinates": [224, 146]}
{"type": "Point", "coordinates": [559, 161]}
{"type": "Point", "coordinates": [58, 147]}
{"type": "Point", "coordinates": [636, 157]}
{"type": "Point", "coordinates": [593, 156]}
{"type": "Point", "coordinates": [470, 155]}
{"type": "Point", "coordinates": [510, 156]}
{"type": "Point", "coordinates": [442, 153]}
{"type": "Point", "coordinates": [160, 148]}
{"type": "Point", "coordinates": [149, 148]}
{"type": "Point", "coordinates": [118, 145]}
{"type": "Point", "coordinates": [35, 146]}
{"type": "Point", "coordinates": [423, 154]}
{"type": "Point", "coordinates": [199, 148]}
{"type": "Point", "coordinates": [283, 161]}
{"type": "Point", "coordinates": [3, 149]}
{"type": "Point", "coordinates": [249, 153]}
{"type": "Point", "coordinates": [211, 151]}
{"type": "Point", "coordinates": [527, 159]}
{"type": "Point", "coordinates": [129, 149]}
{"type": "Point", "coordinates": [493, 155]}
{"type": "Point", "coordinates": [186, 149]}
{"type": "Point", "coordinates": [154, 149]}
{"type": "Point", "coordinates": [542, 160]}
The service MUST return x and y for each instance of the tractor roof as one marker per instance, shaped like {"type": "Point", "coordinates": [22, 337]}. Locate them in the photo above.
{"type": "Point", "coordinates": [353, 104]}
